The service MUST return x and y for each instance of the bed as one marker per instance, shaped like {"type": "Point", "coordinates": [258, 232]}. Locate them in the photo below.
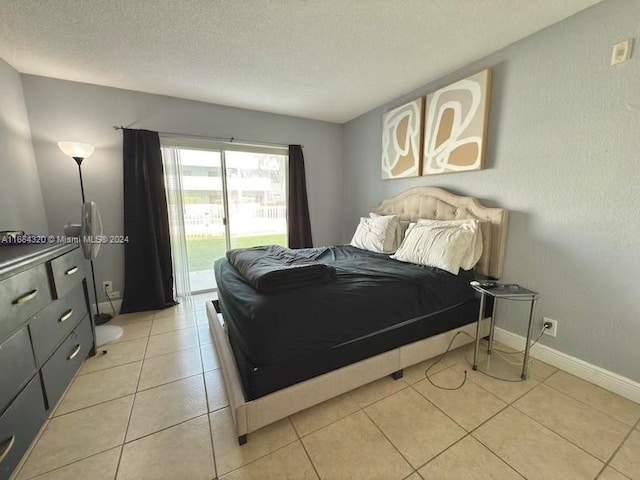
{"type": "Point", "coordinates": [276, 361]}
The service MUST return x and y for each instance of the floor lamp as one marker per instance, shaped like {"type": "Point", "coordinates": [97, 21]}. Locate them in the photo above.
{"type": "Point", "coordinates": [104, 333]}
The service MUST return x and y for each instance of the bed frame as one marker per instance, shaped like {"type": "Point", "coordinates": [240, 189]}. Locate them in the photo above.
{"type": "Point", "coordinates": [421, 202]}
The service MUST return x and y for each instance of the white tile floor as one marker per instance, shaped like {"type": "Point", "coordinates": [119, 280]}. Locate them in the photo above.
{"type": "Point", "coordinates": [154, 407]}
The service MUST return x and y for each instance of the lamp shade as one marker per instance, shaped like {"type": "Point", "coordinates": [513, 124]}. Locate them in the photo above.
{"type": "Point", "coordinates": [76, 150]}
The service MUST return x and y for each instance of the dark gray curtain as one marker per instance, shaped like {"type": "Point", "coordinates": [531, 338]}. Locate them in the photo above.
{"type": "Point", "coordinates": [298, 223]}
{"type": "Point", "coordinates": [148, 272]}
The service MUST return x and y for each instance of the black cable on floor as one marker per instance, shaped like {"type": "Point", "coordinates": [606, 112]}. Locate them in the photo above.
{"type": "Point", "coordinates": [426, 372]}
{"type": "Point", "coordinates": [113, 310]}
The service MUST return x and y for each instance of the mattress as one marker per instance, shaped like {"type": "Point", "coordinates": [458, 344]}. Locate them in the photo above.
{"type": "Point", "coordinates": [372, 294]}
{"type": "Point", "coordinates": [259, 380]}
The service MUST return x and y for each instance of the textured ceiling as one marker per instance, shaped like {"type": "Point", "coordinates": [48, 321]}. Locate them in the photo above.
{"type": "Point", "coordinates": [324, 59]}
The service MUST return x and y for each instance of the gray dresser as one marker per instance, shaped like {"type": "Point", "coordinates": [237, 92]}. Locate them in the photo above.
{"type": "Point", "coordinates": [45, 334]}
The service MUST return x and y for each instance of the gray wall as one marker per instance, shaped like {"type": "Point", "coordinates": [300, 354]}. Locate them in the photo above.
{"type": "Point", "coordinates": [61, 110]}
{"type": "Point", "coordinates": [563, 157]}
{"type": "Point", "coordinates": [21, 206]}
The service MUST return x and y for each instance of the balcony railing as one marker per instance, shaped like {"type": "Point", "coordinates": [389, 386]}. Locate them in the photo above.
{"type": "Point", "coordinates": [245, 219]}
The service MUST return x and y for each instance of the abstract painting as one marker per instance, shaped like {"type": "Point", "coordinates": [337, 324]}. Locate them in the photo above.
{"type": "Point", "coordinates": [456, 122]}
{"type": "Point", "coordinates": [401, 140]}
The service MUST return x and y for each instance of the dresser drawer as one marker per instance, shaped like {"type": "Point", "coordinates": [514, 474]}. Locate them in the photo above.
{"type": "Point", "coordinates": [65, 362]}
{"type": "Point", "coordinates": [67, 271]}
{"type": "Point", "coordinates": [16, 359]}
{"type": "Point", "coordinates": [21, 296]}
{"type": "Point", "coordinates": [53, 323]}
{"type": "Point", "coordinates": [19, 425]}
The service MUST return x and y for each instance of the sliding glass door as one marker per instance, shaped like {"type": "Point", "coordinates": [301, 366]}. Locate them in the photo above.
{"type": "Point", "coordinates": [257, 198]}
{"type": "Point", "coordinates": [221, 196]}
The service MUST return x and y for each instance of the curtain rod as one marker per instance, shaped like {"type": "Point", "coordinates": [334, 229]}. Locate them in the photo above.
{"type": "Point", "coordinates": [218, 139]}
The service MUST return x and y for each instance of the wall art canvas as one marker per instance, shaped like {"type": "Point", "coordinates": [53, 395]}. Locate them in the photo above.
{"type": "Point", "coordinates": [456, 122]}
{"type": "Point", "coordinates": [402, 139]}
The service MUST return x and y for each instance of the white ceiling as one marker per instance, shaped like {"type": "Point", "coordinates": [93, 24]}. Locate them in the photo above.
{"type": "Point", "coordinates": [323, 59]}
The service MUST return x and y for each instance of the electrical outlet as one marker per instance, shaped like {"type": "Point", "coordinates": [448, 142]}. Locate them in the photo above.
{"type": "Point", "coordinates": [107, 287]}
{"type": "Point", "coordinates": [553, 331]}
{"type": "Point", "coordinates": [113, 294]}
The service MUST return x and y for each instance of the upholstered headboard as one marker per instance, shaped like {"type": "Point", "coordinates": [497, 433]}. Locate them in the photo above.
{"type": "Point", "coordinates": [438, 204]}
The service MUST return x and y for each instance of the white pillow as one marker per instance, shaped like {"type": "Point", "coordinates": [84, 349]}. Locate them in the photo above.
{"type": "Point", "coordinates": [440, 244]}
{"type": "Point", "coordinates": [400, 230]}
{"type": "Point", "coordinates": [475, 249]}
{"type": "Point", "coordinates": [377, 234]}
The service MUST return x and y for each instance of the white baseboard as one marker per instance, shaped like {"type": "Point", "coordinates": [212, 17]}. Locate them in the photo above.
{"type": "Point", "coordinates": [105, 307]}
{"type": "Point", "coordinates": [613, 382]}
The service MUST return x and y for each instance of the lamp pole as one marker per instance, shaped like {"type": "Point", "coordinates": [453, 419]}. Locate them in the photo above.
{"type": "Point", "coordinates": [79, 162]}
{"type": "Point", "coordinates": [99, 318]}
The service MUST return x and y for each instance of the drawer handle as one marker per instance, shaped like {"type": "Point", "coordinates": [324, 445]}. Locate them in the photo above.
{"type": "Point", "coordinates": [75, 353]}
{"type": "Point", "coordinates": [66, 316]}
{"type": "Point", "coordinates": [26, 298]}
{"type": "Point", "coordinates": [71, 271]}
{"type": "Point", "coordinates": [8, 448]}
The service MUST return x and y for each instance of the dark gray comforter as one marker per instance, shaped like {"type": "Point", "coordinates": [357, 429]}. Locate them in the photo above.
{"type": "Point", "coordinates": [371, 292]}
{"type": "Point", "coordinates": [273, 268]}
